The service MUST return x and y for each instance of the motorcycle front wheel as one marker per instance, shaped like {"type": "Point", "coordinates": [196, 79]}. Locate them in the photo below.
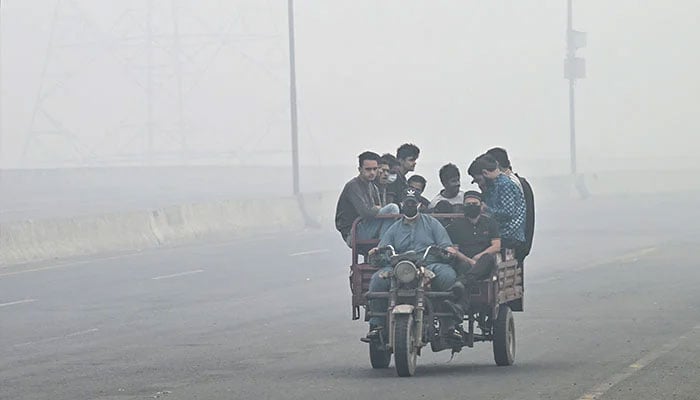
{"type": "Point", "coordinates": [405, 351]}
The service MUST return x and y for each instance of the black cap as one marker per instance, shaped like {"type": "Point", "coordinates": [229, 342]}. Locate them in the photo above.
{"type": "Point", "coordinates": [410, 194]}
{"type": "Point", "coordinates": [473, 194]}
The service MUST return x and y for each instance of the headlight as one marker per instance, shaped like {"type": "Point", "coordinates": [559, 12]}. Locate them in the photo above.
{"type": "Point", "coordinates": [405, 272]}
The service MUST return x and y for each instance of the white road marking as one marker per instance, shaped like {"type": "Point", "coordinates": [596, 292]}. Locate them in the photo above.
{"type": "Point", "coordinates": [12, 303]}
{"type": "Point", "coordinates": [598, 391]}
{"type": "Point", "coordinates": [626, 258]}
{"type": "Point", "coordinates": [55, 338]}
{"type": "Point", "coordinates": [68, 264]}
{"type": "Point", "coordinates": [306, 253]}
{"type": "Point", "coordinates": [178, 274]}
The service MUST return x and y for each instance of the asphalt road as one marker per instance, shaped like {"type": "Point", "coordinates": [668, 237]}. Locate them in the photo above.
{"type": "Point", "coordinates": [612, 312]}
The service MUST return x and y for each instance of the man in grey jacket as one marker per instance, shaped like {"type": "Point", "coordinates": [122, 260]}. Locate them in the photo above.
{"type": "Point", "coordinates": [360, 198]}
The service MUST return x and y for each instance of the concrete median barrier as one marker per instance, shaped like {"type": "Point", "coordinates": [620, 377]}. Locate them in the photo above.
{"type": "Point", "coordinates": [27, 241]}
{"type": "Point", "coordinates": [41, 240]}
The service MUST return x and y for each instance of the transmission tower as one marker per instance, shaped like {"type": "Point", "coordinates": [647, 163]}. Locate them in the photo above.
{"type": "Point", "coordinates": [161, 48]}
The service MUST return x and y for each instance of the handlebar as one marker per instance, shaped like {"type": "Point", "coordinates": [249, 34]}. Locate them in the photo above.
{"type": "Point", "coordinates": [386, 248]}
{"type": "Point", "coordinates": [437, 251]}
{"type": "Point", "coordinates": [388, 254]}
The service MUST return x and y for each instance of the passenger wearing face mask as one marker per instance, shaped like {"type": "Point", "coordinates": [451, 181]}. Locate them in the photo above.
{"type": "Point", "coordinates": [450, 179]}
{"type": "Point", "coordinates": [391, 177]}
{"type": "Point", "coordinates": [477, 238]}
{"type": "Point", "coordinates": [414, 231]}
{"type": "Point", "coordinates": [382, 179]}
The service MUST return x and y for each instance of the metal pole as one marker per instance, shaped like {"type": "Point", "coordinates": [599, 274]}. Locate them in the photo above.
{"type": "Point", "coordinates": [177, 54]}
{"type": "Point", "coordinates": [572, 125]}
{"type": "Point", "coordinates": [293, 100]}
{"type": "Point", "coordinates": [1, 87]}
{"type": "Point", "coordinates": [149, 80]}
{"type": "Point", "coordinates": [572, 105]}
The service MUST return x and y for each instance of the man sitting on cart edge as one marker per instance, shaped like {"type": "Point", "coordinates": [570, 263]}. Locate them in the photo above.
{"type": "Point", "coordinates": [360, 198]}
{"type": "Point", "coordinates": [478, 240]}
{"type": "Point", "coordinates": [414, 231]}
{"type": "Point", "coordinates": [504, 201]}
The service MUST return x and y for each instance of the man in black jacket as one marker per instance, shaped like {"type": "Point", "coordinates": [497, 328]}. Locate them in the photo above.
{"type": "Point", "coordinates": [407, 155]}
{"type": "Point", "coordinates": [361, 198]}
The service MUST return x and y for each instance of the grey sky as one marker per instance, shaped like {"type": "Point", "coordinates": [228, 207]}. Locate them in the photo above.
{"type": "Point", "coordinates": [453, 76]}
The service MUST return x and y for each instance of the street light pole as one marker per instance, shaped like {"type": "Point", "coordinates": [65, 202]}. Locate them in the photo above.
{"type": "Point", "coordinates": [574, 68]}
{"type": "Point", "coordinates": [1, 87]}
{"type": "Point", "coordinates": [293, 100]}
{"type": "Point", "coordinates": [571, 50]}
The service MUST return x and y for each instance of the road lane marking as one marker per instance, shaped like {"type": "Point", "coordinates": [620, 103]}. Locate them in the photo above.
{"type": "Point", "coordinates": [178, 274]}
{"type": "Point", "coordinates": [68, 264]}
{"type": "Point", "coordinates": [12, 303]}
{"type": "Point", "coordinates": [310, 252]}
{"type": "Point", "coordinates": [625, 258]}
{"type": "Point", "coordinates": [598, 391]}
{"type": "Point", "coordinates": [55, 338]}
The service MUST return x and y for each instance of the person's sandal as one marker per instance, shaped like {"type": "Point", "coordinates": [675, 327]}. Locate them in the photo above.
{"type": "Point", "coordinates": [374, 335]}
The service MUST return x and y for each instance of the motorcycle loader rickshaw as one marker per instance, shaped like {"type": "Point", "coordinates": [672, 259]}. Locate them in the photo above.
{"type": "Point", "coordinates": [414, 311]}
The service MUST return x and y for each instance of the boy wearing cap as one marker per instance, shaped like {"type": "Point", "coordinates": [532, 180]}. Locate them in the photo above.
{"type": "Point", "coordinates": [477, 237]}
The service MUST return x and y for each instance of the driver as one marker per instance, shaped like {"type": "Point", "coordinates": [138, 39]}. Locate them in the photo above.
{"type": "Point", "coordinates": [414, 231]}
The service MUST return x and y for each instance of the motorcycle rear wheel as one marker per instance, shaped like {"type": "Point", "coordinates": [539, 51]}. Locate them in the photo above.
{"type": "Point", "coordinates": [379, 356]}
{"type": "Point", "coordinates": [504, 337]}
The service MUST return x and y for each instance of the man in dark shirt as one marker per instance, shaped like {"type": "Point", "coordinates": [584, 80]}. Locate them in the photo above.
{"type": "Point", "coordinates": [391, 177]}
{"type": "Point", "coordinates": [360, 198]}
{"type": "Point", "coordinates": [407, 155]}
{"type": "Point", "coordinates": [477, 239]}
{"type": "Point", "coordinates": [382, 179]}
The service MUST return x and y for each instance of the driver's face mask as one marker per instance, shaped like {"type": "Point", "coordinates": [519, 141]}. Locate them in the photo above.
{"type": "Point", "coordinates": [410, 209]}
{"type": "Point", "coordinates": [391, 178]}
